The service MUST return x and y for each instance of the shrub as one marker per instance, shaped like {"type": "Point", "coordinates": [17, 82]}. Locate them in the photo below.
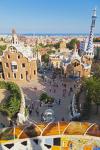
{"type": "Point", "coordinates": [45, 98]}
{"type": "Point", "coordinates": [3, 85]}
{"type": "Point", "coordinates": [3, 47]}
{"type": "Point", "coordinates": [12, 105]}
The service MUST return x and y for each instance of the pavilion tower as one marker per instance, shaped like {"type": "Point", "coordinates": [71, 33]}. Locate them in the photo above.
{"type": "Point", "coordinates": [90, 48]}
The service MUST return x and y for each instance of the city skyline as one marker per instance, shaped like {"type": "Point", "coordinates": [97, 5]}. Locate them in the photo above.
{"type": "Point", "coordinates": [48, 16]}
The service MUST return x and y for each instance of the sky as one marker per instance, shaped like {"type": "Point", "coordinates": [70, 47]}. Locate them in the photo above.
{"type": "Point", "coordinates": [48, 16]}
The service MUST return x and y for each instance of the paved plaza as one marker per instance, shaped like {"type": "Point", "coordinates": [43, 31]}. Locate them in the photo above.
{"type": "Point", "coordinates": [57, 88]}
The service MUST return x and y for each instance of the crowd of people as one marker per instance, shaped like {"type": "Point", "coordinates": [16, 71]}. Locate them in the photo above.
{"type": "Point", "coordinates": [54, 85]}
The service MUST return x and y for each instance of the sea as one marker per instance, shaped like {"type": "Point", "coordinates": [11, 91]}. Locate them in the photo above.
{"type": "Point", "coordinates": [59, 34]}
{"type": "Point", "coordinates": [54, 34]}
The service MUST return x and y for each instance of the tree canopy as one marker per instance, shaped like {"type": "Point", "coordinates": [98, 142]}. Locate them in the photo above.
{"type": "Point", "coordinates": [92, 86]}
{"type": "Point", "coordinates": [57, 45]}
{"type": "Point", "coordinates": [96, 39]}
{"type": "Point", "coordinates": [45, 98]}
{"type": "Point", "coordinates": [96, 70]}
{"type": "Point", "coordinates": [3, 47]}
{"type": "Point", "coordinates": [12, 105]}
{"type": "Point", "coordinates": [51, 52]}
{"type": "Point", "coordinates": [45, 58]}
{"type": "Point", "coordinates": [72, 43]}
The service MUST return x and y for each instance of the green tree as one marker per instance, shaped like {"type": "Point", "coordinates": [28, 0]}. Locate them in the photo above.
{"type": "Point", "coordinates": [92, 86]}
{"type": "Point", "coordinates": [96, 69]}
{"type": "Point", "coordinates": [14, 89]}
{"type": "Point", "coordinates": [51, 52]}
{"type": "Point", "coordinates": [45, 98]}
{"type": "Point", "coordinates": [72, 43]}
{"type": "Point", "coordinates": [12, 105]}
{"type": "Point", "coordinates": [50, 99]}
{"type": "Point", "coordinates": [45, 58]}
{"type": "Point", "coordinates": [96, 39]}
{"type": "Point", "coordinates": [3, 47]}
{"type": "Point", "coordinates": [49, 45]}
{"type": "Point", "coordinates": [57, 45]}
{"type": "Point", "coordinates": [2, 39]}
{"type": "Point", "coordinates": [41, 45]}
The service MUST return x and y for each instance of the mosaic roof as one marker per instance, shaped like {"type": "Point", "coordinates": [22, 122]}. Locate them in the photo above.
{"type": "Point", "coordinates": [43, 129]}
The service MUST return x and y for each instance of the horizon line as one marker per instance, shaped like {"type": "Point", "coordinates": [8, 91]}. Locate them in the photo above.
{"type": "Point", "coordinates": [51, 33]}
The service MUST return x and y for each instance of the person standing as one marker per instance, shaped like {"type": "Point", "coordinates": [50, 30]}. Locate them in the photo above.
{"type": "Point", "coordinates": [37, 112]}
{"type": "Point", "coordinates": [59, 101]}
{"type": "Point", "coordinates": [42, 117]}
{"type": "Point", "coordinates": [30, 111]}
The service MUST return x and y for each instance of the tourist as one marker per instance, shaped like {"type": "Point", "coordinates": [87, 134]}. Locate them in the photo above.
{"type": "Point", "coordinates": [71, 89]}
{"type": "Point", "coordinates": [65, 85]}
{"type": "Point", "coordinates": [74, 86]}
{"type": "Point", "coordinates": [40, 103]}
{"type": "Point", "coordinates": [37, 112]}
{"type": "Point", "coordinates": [30, 111]}
{"type": "Point", "coordinates": [42, 117]}
{"type": "Point", "coordinates": [59, 101]}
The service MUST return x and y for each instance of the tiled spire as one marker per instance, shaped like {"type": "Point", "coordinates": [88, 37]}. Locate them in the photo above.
{"type": "Point", "coordinates": [90, 50]}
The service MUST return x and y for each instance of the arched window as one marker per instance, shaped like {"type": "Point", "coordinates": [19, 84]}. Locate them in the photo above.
{"type": "Point", "coordinates": [21, 76]}
{"type": "Point", "coordinates": [23, 65]}
{"type": "Point", "coordinates": [8, 75]}
{"type": "Point", "coordinates": [75, 64]}
{"type": "Point", "coordinates": [18, 56]}
{"type": "Point", "coordinates": [8, 56]}
{"type": "Point", "coordinates": [7, 65]}
{"type": "Point", "coordinates": [14, 75]}
{"type": "Point", "coordinates": [34, 72]}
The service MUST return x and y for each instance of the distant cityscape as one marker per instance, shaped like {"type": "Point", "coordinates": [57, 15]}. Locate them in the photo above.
{"type": "Point", "coordinates": [53, 34]}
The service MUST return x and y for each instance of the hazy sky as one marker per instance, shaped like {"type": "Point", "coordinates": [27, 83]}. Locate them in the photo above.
{"type": "Point", "coordinates": [52, 16]}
